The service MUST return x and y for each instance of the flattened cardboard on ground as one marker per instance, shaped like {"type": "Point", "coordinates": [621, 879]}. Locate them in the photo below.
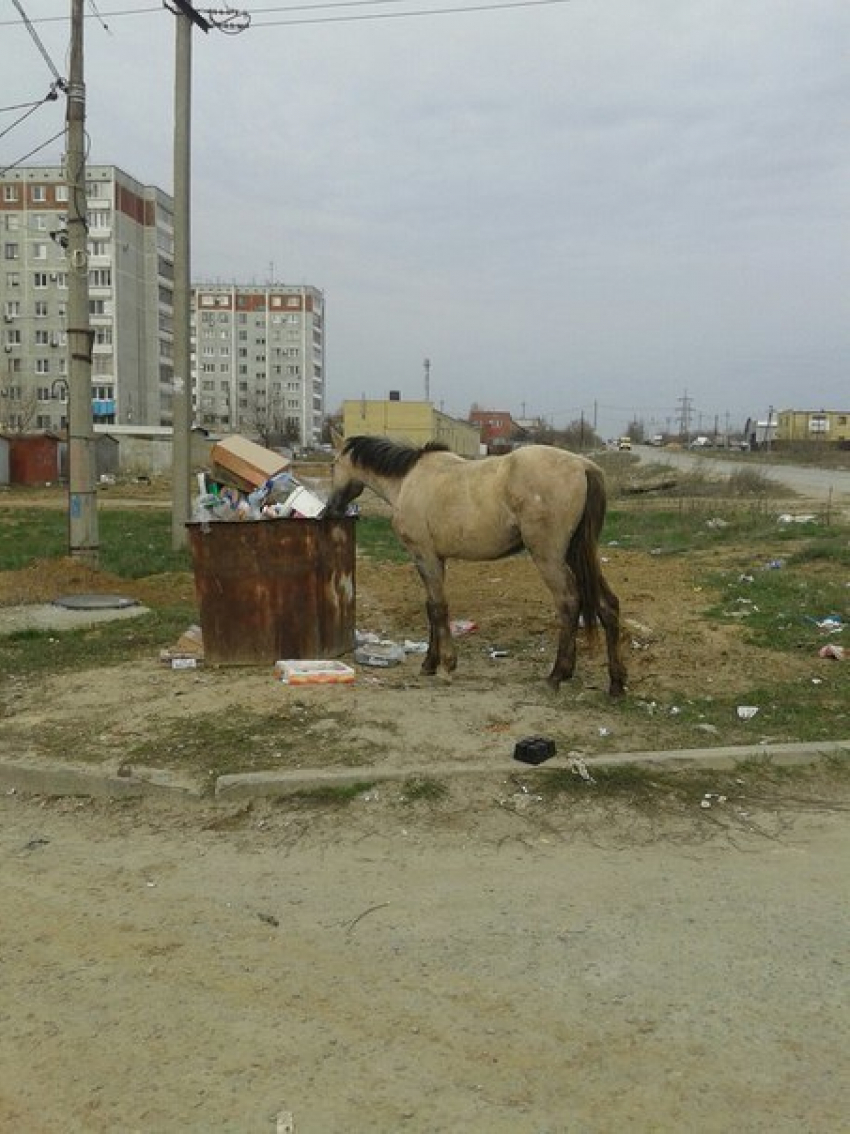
{"type": "Point", "coordinates": [244, 464]}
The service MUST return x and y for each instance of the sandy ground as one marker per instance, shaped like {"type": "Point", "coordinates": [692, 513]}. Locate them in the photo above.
{"type": "Point", "coordinates": [473, 966]}
{"type": "Point", "coordinates": [485, 961]}
{"type": "Point", "coordinates": [133, 712]}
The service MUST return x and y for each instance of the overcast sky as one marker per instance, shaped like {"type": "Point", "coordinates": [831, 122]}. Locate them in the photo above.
{"type": "Point", "coordinates": [597, 206]}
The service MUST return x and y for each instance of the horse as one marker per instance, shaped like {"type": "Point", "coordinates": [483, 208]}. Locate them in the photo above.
{"type": "Point", "coordinates": [545, 500]}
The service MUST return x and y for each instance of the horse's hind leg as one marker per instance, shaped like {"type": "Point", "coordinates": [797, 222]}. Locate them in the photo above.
{"type": "Point", "coordinates": [609, 616]}
{"type": "Point", "coordinates": [560, 580]}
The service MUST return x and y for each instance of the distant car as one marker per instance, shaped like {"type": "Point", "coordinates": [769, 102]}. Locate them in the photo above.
{"type": "Point", "coordinates": [700, 443]}
{"type": "Point", "coordinates": [657, 439]}
{"type": "Point", "coordinates": [625, 444]}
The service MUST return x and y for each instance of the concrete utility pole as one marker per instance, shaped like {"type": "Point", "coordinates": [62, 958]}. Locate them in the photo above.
{"type": "Point", "coordinates": [181, 401]}
{"type": "Point", "coordinates": [82, 498]}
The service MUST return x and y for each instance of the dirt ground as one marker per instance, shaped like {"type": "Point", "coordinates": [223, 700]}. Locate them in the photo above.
{"type": "Point", "coordinates": [487, 965]}
{"type": "Point", "coordinates": [395, 716]}
{"type": "Point", "coordinates": [482, 960]}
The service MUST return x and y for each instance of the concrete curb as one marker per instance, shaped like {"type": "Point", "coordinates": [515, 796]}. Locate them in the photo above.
{"type": "Point", "coordinates": [53, 779]}
{"type": "Point", "coordinates": [255, 785]}
{"type": "Point", "coordinates": [97, 783]}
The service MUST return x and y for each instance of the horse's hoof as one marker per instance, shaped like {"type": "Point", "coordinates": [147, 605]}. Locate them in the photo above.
{"type": "Point", "coordinates": [553, 682]}
{"type": "Point", "coordinates": [617, 689]}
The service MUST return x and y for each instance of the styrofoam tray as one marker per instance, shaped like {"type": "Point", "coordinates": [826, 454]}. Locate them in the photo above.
{"type": "Point", "coordinates": [314, 672]}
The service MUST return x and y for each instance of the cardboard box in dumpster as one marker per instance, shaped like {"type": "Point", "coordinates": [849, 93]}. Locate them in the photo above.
{"type": "Point", "coordinates": [245, 464]}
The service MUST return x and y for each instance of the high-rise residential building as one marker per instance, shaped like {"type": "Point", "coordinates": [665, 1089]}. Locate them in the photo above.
{"type": "Point", "coordinates": [258, 361]}
{"type": "Point", "coordinates": [130, 264]}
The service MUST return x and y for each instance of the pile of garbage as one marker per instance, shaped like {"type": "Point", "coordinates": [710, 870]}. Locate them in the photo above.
{"type": "Point", "coordinates": [250, 482]}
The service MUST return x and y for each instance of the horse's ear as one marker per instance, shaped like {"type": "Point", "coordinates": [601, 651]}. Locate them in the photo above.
{"type": "Point", "coordinates": [337, 439]}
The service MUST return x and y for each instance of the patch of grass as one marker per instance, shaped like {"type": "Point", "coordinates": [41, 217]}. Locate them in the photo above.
{"type": "Point", "coordinates": [697, 524]}
{"type": "Point", "coordinates": [831, 546]}
{"type": "Point", "coordinates": [327, 795]}
{"type": "Point", "coordinates": [376, 538]}
{"type": "Point", "coordinates": [134, 542]}
{"type": "Point", "coordinates": [243, 740]}
{"type": "Point", "coordinates": [28, 653]}
{"type": "Point", "coordinates": [781, 608]}
{"type": "Point", "coordinates": [643, 785]}
{"type": "Point", "coordinates": [424, 791]}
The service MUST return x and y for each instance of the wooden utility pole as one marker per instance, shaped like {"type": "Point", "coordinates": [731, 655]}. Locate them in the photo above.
{"type": "Point", "coordinates": [181, 401]}
{"type": "Point", "coordinates": [82, 498]}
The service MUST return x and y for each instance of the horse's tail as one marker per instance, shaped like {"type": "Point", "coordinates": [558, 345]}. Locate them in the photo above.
{"type": "Point", "coordinates": [583, 552]}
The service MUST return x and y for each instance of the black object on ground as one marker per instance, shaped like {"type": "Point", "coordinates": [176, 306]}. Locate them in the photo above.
{"type": "Point", "coordinates": [534, 749]}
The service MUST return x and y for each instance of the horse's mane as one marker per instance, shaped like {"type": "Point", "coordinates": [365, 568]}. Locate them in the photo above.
{"type": "Point", "coordinates": [385, 457]}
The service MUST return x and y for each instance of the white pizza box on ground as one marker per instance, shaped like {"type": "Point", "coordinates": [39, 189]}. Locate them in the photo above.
{"type": "Point", "coordinates": [304, 504]}
{"type": "Point", "coordinates": [296, 672]}
{"type": "Point", "coordinates": [244, 463]}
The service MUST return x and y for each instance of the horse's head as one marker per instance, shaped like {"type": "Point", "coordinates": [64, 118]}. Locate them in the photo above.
{"type": "Point", "coordinates": [345, 485]}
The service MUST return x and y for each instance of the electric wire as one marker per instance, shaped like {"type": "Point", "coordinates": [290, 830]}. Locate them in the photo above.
{"type": "Point", "coordinates": [325, 5]}
{"type": "Point", "coordinates": [6, 168]}
{"type": "Point", "coordinates": [407, 14]}
{"type": "Point", "coordinates": [44, 54]}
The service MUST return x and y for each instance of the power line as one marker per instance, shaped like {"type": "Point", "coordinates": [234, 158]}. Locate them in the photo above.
{"type": "Point", "coordinates": [51, 96]}
{"type": "Point", "coordinates": [407, 14]}
{"type": "Point", "coordinates": [224, 19]}
{"type": "Point", "coordinates": [43, 145]}
{"type": "Point", "coordinates": [38, 42]}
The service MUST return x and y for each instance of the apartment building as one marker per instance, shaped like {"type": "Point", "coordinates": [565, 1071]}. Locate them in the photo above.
{"type": "Point", "coordinates": [130, 264]}
{"type": "Point", "coordinates": [258, 361]}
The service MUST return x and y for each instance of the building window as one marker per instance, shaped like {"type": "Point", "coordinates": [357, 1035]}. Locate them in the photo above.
{"type": "Point", "coordinates": [10, 192]}
{"type": "Point", "coordinates": [61, 192]}
{"type": "Point", "coordinates": [39, 279]}
{"type": "Point", "coordinates": [11, 252]}
{"type": "Point", "coordinates": [100, 277]}
{"type": "Point", "coordinates": [13, 279]}
{"type": "Point", "coordinates": [42, 366]}
{"type": "Point", "coordinates": [40, 309]}
{"type": "Point", "coordinates": [12, 222]}
{"type": "Point", "coordinates": [39, 251]}
{"type": "Point", "coordinates": [42, 338]}
{"type": "Point", "coordinates": [13, 337]}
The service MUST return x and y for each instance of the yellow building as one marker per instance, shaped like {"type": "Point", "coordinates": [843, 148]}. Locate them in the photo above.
{"type": "Point", "coordinates": [413, 422]}
{"type": "Point", "coordinates": [829, 427]}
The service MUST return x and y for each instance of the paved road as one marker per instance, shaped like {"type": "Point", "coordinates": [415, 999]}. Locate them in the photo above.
{"type": "Point", "coordinates": [818, 484]}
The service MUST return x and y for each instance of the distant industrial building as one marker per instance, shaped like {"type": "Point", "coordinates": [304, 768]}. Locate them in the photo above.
{"type": "Point", "coordinates": [130, 265]}
{"type": "Point", "coordinates": [412, 422]}
{"type": "Point", "coordinates": [258, 361]}
{"type": "Point", "coordinates": [821, 427]}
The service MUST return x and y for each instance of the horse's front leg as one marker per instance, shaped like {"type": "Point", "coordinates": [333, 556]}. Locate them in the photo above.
{"type": "Point", "coordinates": [441, 648]}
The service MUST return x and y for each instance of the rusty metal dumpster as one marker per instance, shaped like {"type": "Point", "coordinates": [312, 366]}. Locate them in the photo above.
{"type": "Point", "coordinates": [275, 589]}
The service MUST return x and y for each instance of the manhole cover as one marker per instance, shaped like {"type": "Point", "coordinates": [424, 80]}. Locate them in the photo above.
{"type": "Point", "coordinates": [94, 602]}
